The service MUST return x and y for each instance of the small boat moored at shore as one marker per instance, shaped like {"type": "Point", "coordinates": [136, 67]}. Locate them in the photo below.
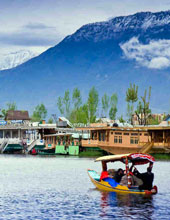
{"type": "Point", "coordinates": [106, 183]}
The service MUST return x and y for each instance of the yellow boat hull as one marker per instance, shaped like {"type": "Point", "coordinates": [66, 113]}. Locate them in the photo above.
{"type": "Point", "coordinates": [105, 186]}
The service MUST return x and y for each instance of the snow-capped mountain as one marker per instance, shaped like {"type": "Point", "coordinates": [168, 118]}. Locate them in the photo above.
{"type": "Point", "coordinates": [108, 55]}
{"type": "Point", "coordinates": [141, 22]}
{"type": "Point", "coordinates": [8, 61]}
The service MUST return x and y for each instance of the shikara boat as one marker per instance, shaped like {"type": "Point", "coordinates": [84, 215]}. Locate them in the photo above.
{"type": "Point", "coordinates": [109, 184]}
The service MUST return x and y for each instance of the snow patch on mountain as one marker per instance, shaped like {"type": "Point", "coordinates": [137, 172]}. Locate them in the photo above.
{"type": "Point", "coordinates": [100, 31]}
{"type": "Point", "coordinates": [154, 55]}
{"type": "Point", "coordinates": [8, 61]}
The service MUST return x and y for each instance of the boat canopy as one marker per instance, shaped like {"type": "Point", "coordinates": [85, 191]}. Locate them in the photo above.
{"type": "Point", "coordinates": [135, 158]}
{"type": "Point", "coordinates": [112, 158]}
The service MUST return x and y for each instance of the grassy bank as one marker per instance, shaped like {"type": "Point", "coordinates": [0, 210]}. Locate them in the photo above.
{"type": "Point", "coordinates": [161, 156]}
{"type": "Point", "coordinates": [91, 154]}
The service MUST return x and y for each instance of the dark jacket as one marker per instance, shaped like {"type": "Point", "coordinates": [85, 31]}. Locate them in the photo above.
{"type": "Point", "coordinates": [147, 179]}
{"type": "Point", "coordinates": [118, 177]}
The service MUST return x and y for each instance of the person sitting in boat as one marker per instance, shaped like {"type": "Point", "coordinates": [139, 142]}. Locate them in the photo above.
{"type": "Point", "coordinates": [135, 181]}
{"type": "Point", "coordinates": [146, 177]}
{"type": "Point", "coordinates": [111, 173]}
{"type": "Point", "coordinates": [118, 175]}
{"type": "Point", "coordinates": [106, 177]}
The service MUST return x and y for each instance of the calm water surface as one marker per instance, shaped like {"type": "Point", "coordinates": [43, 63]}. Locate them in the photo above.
{"type": "Point", "coordinates": [59, 188]}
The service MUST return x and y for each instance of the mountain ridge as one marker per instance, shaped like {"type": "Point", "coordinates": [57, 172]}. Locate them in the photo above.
{"type": "Point", "coordinates": [93, 56]}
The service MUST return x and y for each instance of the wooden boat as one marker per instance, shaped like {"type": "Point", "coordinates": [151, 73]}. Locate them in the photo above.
{"type": "Point", "coordinates": [112, 185]}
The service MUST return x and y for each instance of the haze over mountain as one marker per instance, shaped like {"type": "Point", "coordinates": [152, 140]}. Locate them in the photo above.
{"type": "Point", "coordinates": [109, 55]}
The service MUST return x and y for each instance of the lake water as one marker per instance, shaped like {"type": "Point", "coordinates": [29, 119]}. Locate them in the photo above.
{"type": "Point", "coordinates": [59, 188]}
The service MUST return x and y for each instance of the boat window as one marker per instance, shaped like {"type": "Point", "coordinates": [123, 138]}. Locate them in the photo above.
{"type": "Point", "coordinates": [7, 134]}
{"type": "Point", "coordinates": [118, 139]}
{"type": "Point", "coordinates": [1, 134]}
{"type": "Point", "coordinates": [103, 136]}
{"type": "Point", "coordinates": [134, 134]}
{"type": "Point", "coordinates": [118, 133]}
{"type": "Point", "coordinates": [99, 136]}
{"type": "Point", "coordinates": [92, 135]}
{"type": "Point", "coordinates": [126, 133]}
{"type": "Point", "coordinates": [115, 139]}
{"type": "Point", "coordinates": [134, 140]}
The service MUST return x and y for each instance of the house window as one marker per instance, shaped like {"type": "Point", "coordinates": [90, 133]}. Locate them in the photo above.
{"type": "Point", "coordinates": [145, 134]}
{"type": "Point", "coordinates": [112, 132]}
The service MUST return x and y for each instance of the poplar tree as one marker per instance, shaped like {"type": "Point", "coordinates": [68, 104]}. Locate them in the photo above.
{"type": "Point", "coordinates": [113, 108]}
{"type": "Point", "coordinates": [76, 97]}
{"type": "Point", "coordinates": [105, 103]}
{"type": "Point", "coordinates": [92, 102]}
{"type": "Point", "coordinates": [60, 105]}
{"type": "Point", "coordinates": [131, 98]}
{"type": "Point", "coordinates": [66, 102]}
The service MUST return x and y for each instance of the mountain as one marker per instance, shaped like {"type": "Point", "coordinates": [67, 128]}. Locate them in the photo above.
{"type": "Point", "coordinates": [110, 55]}
{"type": "Point", "coordinates": [13, 59]}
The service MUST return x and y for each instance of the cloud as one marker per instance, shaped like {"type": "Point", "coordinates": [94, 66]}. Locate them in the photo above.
{"type": "Point", "coordinates": [37, 26]}
{"type": "Point", "coordinates": [28, 39]}
{"type": "Point", "coordinates": [31, 34]}
{"type": "Point", "coordinates": [154, 55]}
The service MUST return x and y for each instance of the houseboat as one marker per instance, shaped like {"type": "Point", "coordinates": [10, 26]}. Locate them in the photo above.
{"type": "Point", "coordinates": [122, 140]}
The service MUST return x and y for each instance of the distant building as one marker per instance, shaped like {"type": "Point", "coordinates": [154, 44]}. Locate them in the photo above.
{"type": "Point", "coordinates": [158, 117]}
{"type": "Point", "coordinates": [17, 116]}
{"type": "Point", "coordinates": [63, 123]}
{"type": "Point", "coordinates": [166, 121]}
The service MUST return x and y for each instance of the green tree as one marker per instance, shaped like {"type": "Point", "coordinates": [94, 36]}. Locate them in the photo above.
{"type": "Point", "coordinates": [131, 98]}
{"type": "Point", "coordinates": [105, 103]}
{"type": "Point", "coordinates": [92, 102]}
{"type": "Point", "coordinates": [76, 97]}
{"type": "Point", "coordinates": [80, 115]}
{"type": "Point", "coordinates": [112, 113]}
{"type": "Point", "coordinates": [40, 113]}
{"type": "Point", "coordinates": [50, 121]}
{"type": "Point", "coordinates": [10, 106]}
{"type": "Point", "coordinates": [60, 105]}
{"type": "Point", "coordinates": [66, 102]}
{"type": "Point", "coordinates": [121, 119]}
{"type": "Point", "coordinates": [143, 110]}
{"type": "Point", "coordinates": [129, 112]}
{"type": "Point", "coordinates": [113, 108]}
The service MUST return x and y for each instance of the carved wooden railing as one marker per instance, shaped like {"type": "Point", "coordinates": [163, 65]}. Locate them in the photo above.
{"type": "Point", "coordinates": [146, 147]}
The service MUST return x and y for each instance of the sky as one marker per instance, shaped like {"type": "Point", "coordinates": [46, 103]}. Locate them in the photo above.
{"type": "Point", "coordinates": [37, 25]}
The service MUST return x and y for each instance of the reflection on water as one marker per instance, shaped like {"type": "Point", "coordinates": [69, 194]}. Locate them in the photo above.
{"type": "Point", "coordinates": [138, 206]}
